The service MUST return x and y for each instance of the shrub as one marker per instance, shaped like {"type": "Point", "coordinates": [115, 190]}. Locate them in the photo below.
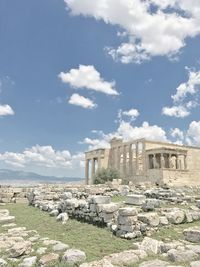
{"type": "Point", "coordinates": [104, 175]}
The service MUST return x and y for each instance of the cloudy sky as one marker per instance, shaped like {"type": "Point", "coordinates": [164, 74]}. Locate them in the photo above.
{"type": "Point", "coordinates": [75, 73]}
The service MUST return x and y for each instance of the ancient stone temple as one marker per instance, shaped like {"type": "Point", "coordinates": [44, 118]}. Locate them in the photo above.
{"type": "Point", "coordinates": [143, 161]}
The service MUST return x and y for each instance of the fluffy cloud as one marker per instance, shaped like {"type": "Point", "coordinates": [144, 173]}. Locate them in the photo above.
{"type": "Point", "coordinates": [89, 78]}
{"type": "Point", "coordinates": [177, 133]}
{"type": "Point", "coordinates": [132, 114]}
{"type": "Point", "coordinates": [176, 111]}
{"type": "Point", "coordinates": [42, 156]}
{"type": "Point", "coordinates": [128, 132]}
{"type": "Point", "coordinates": [81, 101]}
{"type": "Point", "coordinates": [191, 87]}
{"type": "Point", "coordinates": [186, 96]}
{"type": "Point", "coordinates": [6, 110]}
{"type": "Point", "coordinates": [151, 27]}
{"type": "Point", "coordinates": [193, 133]}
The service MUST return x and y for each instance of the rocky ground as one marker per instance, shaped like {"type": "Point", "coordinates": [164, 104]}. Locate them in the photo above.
{"type": "Point", "coordinates": [141, 217]}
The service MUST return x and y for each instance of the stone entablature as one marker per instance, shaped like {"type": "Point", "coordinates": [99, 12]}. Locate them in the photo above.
{"type": "Point", "coordinates": [147, 161]}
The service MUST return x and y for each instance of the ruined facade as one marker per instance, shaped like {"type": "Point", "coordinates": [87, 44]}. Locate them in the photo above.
{"type": "Point", "coordinates": [143, 161]}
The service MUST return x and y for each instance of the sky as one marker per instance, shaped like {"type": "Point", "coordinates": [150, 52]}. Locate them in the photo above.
{"type": "Point", "coordinates": [76, 73]}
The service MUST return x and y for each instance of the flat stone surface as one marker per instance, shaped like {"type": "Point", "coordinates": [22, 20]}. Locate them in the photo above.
{"type": "Point", "coordinates": [74, 256]}
{"type": "Point", "coordinates": [181, 256]}
{"type": "Point", "coordinates": [135, 199]}
{"type": "Point", "coordinates": [128, 211]}
{"type": "Point", "coordinates": [195, 264]}
{"type": "Point", "coordinates": [48, 258]}
{"type": "Point", "coordinates": [154, 263]}
{"type": "Point", "coordinates": [192, 234]}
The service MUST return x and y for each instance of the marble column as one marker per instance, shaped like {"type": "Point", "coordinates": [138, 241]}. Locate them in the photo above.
{"type": "Point", "coordinates": [185, 162]}
{"type": "Point", "coordinates": [162, 161]}
{"type": "Point", "coordinates": [154, 162]}
{"type": "Point", "coordinates": [124, 161]}
{"type": "Point", "coordinates": [137, 158]}
{"type": "Point", "coordinates": [130, 160]}
{"type": "Point", "coordinates": [87, 171]}
{"type": "Point", "coordinates": [93, 170]}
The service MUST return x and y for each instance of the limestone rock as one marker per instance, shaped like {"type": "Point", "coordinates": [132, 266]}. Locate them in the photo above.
{"type": "Point", "coordinates": [48, 259]}
{"type": "Point", "coordinates": [154, 263]}
{"type": "Point", "coordinates": [63, 217]}
{"type": "Point", "coordinates": [135, 199]}
{"type": "Point", "coordinates": [128, 211]}
{"type": "Point", "coordinates": [3, 262]}
{"type": "Point", "coordinates": [28, 262]}
{"type": "Point", "coordinates": [175, 216]}
{"type": "Point", "coordinates": [181, 256]}
{"type": "Point", "coordinates": [101, 263]}
{"type": "Point", "coordinates": [74, 256]}
{"type": "Point", "coordinates": [195, 264]}
{"type": "Point", "coordinates": [60, 247]}
{"type": "Point", "coordinates": [151, 245]}
{"type": "Point", "coordinates": [151, 219]}
{"type": "Point", "coordinates": [20, 248]}
{"type": "Point", "coordinates": [192, 234]}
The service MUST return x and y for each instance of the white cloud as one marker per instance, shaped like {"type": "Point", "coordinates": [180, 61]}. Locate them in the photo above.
{"type": "Point", "coordinates": [132, 114]}
{"type": "Point", "coordinates": [186, 97]}
{"type": "Point", "coordinates": [151, 132]}
{"type": "Point", "coordinates": [153, 27]}
{"type": "Point", "coordinates": [44, 157]}
{"type": "Point", "coordinates": [6, 110]}
{"type": "Point", "coordinates": [89, 78]}
{"type": "Point", "coordinates": [81, 101]}
{"type": "Point", "coordinates": [193, 133]}
{"type": "Point", "coordinates": [128, 132]}
{"type": "Point", "coordinates": [190, 87]}
{"type": "Point", "coordinates": [177, 133]}
{"type": "Point", "coordinates": [176, 111]}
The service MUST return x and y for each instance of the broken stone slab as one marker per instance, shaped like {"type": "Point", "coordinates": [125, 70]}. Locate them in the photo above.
{"type": "Point", "coordinates": [20, 248]}
{"type": "Point", "coordinates": [48, 259]}
{"type": "Point", "coordinates": [175, 216]}
{"type": "Point", "coordinates": [151, 204]}
{"type": "Point", "coordinates": [151, 219]}
{"type": "Point", "coordinates": [107, 208]}
{"type": "Point", "coordinates": [74, 256]}
{"type": "Point", "coordinates": [175, 255]}
{"type": "Point", "coordinates": [123, 258]}
{"type": "Point", "coordinates": [4, 212]}
{"type": "Point", "coordinates": [3, 262]}
{"type": "Point", "coordinates": [134, 199]}
{"type": "Point", "coordinates": [28, 262]}
{"type": "Point", "coordinates": [101, 263]}
{"type": "Point", "coordinates": [100, 199]}
{"type": "Point", "coordinates": [195, 264]}
{"type": "Point", "coordinates": [192, 234]}
{"type": "Point", "coordinates": [7, 219]}
{"type": "Point", "coordinates": [151, 245]}
{"type": "Point", "coordinates": [154, 263]}
{"type": "Point", "coordinates": [63, 217]}
{"type": "Point", "coordinates": [128, 211]}
{"type": "Point", "coordinates": [127, 220]}
{"type": "Point", "coordinates": [60, 247]}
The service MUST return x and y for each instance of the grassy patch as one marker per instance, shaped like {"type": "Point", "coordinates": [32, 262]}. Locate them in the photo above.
{"type": "Point", "coordinates": [118, 199]}
{"type": "Point", "coordinates": [96, 242]}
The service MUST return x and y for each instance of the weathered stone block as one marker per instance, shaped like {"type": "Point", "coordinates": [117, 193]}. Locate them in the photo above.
{"type": "Point", "coordinates": [128, 211]}
{"type": "Point", "coordinates": [135, 199]}
{"type": "Point", "coordinates": [192, 234]}
{"type": "Point", "coordinates": [151, 219]}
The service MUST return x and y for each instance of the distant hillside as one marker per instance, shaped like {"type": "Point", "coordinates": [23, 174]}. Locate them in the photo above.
{"type": "Point", "coordinates": [10, 175]}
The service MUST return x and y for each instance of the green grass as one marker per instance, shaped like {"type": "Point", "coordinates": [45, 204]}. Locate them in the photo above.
{"type": "Point", "coordinates": [118, 199]}
{"type": "Point", "coordinates": [95, 242]}
{"type": "Point", "coordinates": [174, 232]}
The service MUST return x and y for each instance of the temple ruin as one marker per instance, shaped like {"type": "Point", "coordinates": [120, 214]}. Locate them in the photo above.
{"type": "Point", "coordinates": [142, 161]}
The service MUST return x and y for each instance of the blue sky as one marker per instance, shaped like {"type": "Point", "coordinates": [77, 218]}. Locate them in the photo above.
{"type": "Point", "coordinates": [121, 65]}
